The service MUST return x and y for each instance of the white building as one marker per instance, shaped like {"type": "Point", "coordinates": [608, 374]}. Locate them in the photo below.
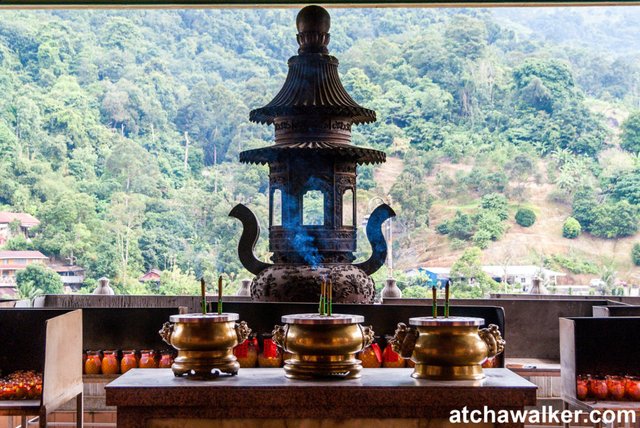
{"type": "Point", "coordinates": [523, 275]}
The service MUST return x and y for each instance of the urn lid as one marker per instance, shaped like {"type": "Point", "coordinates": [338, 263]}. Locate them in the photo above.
{"type": "Point", "coordinates": [448, 322]}
{"type": "Point", "coordinates": [204, 318]}
{"type": "Point", "coordinates": [313, 87]}
{"type": "Point", "coordinates": [317, 319]}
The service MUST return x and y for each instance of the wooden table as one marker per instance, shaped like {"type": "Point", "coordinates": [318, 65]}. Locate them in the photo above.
{"type": "Point", "coordinates": [260, 397]}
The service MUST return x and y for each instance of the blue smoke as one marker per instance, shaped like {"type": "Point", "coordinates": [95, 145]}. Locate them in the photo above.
{"type": "Point", "coordinates": [302, 242]}
{"type": "Point", "coordinates": [304, 246]}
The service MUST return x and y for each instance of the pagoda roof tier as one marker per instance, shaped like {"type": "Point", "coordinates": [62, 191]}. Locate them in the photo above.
{"type": "Point", "coordinates": [313, 88]}
{"type": "Point", "coordinates": [360, 155]}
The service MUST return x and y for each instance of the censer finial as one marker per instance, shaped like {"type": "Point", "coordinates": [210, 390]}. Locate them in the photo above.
{"type": "Point", "coordinates": [313, 24]}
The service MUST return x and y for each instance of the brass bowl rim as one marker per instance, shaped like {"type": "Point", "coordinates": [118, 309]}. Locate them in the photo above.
{"type": "Point", "coordinates": [448, 322]}
{"type": "Point", "coordinates": [197, 318]}
{"type": "Point", "coordinates": [317, 319]}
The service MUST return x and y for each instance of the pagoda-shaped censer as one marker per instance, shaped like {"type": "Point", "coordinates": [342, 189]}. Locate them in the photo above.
{"type": "Point", "coordinates": [312, 156]}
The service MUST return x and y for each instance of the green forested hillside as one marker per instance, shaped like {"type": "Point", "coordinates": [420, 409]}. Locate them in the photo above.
{"type": "Point", "coordinates": [120, 131]}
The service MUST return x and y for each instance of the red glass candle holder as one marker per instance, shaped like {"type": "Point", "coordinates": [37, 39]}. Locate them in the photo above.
{"type": "Point", "coordinates": [166, 360]}
{"type": "Point", "coordinates": [110, 364]}
{"type": "Point", "coordinates": [598, 388]}
{"type": "Point", "coordinates": [632, 387]}
{"type": "Point", "coordinates": [128, 361]}
{"type": "Point", "coordinates": [147, 360]}
{"type": "Point", "coordinates": [270, 355]}
{"type": "Point", "coordinates": [391, 359]}
{"type": "Point", "coordinates": [616, 387]}
{"type": "Point", "coordinates": [582, 387]}
{"type": "Point", "coordinates": [93, 364]}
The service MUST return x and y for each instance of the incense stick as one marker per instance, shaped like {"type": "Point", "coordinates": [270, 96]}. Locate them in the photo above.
{"type": "Point", "coordinates": [220, 295]}
{"type": "Point", "coordinates": [330, 310]}
{"type": "Point", "coordinates": [435, 301]}
{"type": "Point", "coordinates": [446, 299]}
{"type": "Point", "coordinates": [203, 296]}
{"type": "Point", "coordinates": [322, 290]}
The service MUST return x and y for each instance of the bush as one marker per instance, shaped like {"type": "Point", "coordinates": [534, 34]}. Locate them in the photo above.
{"type": "Point", "coordinates": [571, 228]}
{"type": "Point", "coordinates": [525, 217]}
{"type": "Point", "coordinates": [443, 228]}
{"type": "Point", "coordinates": [635, 254]}
{"type": "Point", "coordinates": [573, 263]}
{"type": "Point", "coordinates": [614, 220]}
{"type": "Point", "coordinates": [496, 203]}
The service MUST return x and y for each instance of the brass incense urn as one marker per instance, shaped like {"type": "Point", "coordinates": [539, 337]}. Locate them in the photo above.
{"type": "Point", "coordinates": [447, 348]}
{"type": "Point", "coordinates": [322, 346]}
{"type": "Point", "coordinates": [205, 343]}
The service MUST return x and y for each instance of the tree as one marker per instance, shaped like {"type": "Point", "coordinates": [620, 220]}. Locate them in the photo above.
{"type": "Point", "coordinates": [461, 226]}
{"type": "Point", "coordinates": [134, 169]}
{"type": "Point", "coordinates": [630, 137]}
{"type": "Point", "coordinates": [490, 222]}
{"type": "Point", "coordinates": [27, 291]}
{"type": "Point", "coordinates": [525, 217]}
{"type": "Point", "coordinates": [635, 254]}
{"type": "Point", "coordinates": [614, 220]}
{"type": "Point", "coordinates": [584, 203]}
{"type": "Point", "coordinates": [571, 228]}
{"type": "Point", "coordinates": [627, 186]}
{"type": "Point", "coordinates": [125, 218]}
{"type": "Point", "coordinates": [40, 277]}
{"type": "Point", "coordinates": [467, 269]}
{"type": "Point", "coordinates": [497, 204]}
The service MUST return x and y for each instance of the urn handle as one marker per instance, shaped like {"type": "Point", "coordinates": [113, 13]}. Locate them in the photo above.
{"type": "Point", "coordinates": [404, 340]}
{"type": "Point", "coordinates": [242, 331]}
{"type": "Point", "coordinates": [492, 337]}
{"type": "Point", "coordinates": [279, 335]}
{"type": "Point", "coordinates": [165, 332]}
{"type": "Point", "coordinates": [367, 335]}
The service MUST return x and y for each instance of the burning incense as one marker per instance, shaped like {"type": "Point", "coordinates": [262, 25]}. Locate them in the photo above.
{"type": "Point", "coordinates": [434, 294]}
{"type": "Point", "coordinates": [220, 295]}
{"type": "Point", "coordinates": [446, 299]}
{"type": "Point", "coordinates": [321, 303]}
{"type": "Point", "coordinates": [330, 304]}
{"type": "Point", "coordinates": [203, 296]}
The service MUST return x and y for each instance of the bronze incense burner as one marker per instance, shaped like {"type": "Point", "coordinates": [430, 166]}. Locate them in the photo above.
{"type": "Point", "coordinates": [447, 348]}
{"type": "Point", "coordinates": [322, 346]}
{"type": "Point", "coordinates": [205, 343]}
{"type": "Point", "coordinates": [312, 157]}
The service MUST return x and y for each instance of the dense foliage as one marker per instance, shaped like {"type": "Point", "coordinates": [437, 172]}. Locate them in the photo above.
{"type": "Point", "coordinates": [120, 130]}
{"type": "Point", "coordinates": [630, 138]}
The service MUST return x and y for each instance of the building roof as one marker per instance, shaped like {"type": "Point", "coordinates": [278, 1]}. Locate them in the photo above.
{"type": "Point", "coordinates": [152, 275]}
{"type": "Point", "coordinates": [498, 271]}
{"type": "Point", "coordinates": [26, 220]}
{"type": "Point", "coordinates": [22, 255]}
{"type": "Point", "coordinates": [65, 268]}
